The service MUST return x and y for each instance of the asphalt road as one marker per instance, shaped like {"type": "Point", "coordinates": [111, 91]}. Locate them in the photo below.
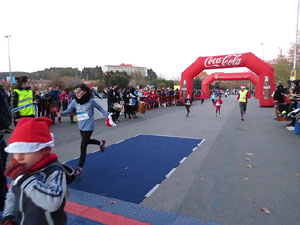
{"type": "Point", "coordinates": [215, 183]}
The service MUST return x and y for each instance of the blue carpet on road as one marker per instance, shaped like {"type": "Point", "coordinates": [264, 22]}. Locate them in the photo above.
{"type": "Point", "coordinates": [130, 169]}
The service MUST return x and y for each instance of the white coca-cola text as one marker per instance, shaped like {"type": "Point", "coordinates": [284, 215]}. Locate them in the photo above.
{"type": "Point", "coordinates": [229, 60]}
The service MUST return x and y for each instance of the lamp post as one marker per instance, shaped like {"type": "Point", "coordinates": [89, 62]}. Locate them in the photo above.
{"type": "Point", "coordinates": [293, 71]}
{"type": "Point", "coordinates": [8, 36]}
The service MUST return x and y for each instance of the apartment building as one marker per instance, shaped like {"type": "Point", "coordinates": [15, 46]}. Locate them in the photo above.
{"type": "Point", "coordinates": [128, 68]}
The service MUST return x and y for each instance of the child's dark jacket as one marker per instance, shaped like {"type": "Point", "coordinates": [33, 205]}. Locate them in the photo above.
{"type": "Point", "coordinates": [38, 198]}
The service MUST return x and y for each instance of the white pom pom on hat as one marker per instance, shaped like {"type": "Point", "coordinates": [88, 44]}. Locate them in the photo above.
{"type": "Point", "coordinates": [30, 135]}
{"type": "Point", "coordinates": [243, 86]}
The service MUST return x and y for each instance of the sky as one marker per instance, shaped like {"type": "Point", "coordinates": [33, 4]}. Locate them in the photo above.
{"type": "Point", "coordinates": [164, 35]}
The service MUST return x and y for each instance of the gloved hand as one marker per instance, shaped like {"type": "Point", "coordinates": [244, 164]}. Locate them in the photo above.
{"type": "Point", "coordinates": [109, 121]}
{"type": "Point", "coordinates": [8, 222]}
{"type": "Point", "coordinates": [15, 169]}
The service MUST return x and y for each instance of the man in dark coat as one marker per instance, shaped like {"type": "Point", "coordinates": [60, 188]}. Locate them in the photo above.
{"type": "Point", "coordinates": [5, 122]}
{"type": "Point", "coordinates": [111, 97]}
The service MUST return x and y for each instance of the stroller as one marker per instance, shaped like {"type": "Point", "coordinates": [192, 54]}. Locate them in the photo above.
{"type": "Point", "coordinates": [286, 109]}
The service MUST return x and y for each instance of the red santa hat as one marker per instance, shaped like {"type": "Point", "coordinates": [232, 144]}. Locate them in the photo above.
{"type": "Point", "coordinates": [30, 135]}
{"type": "Point", "coordinates": [243, 86]}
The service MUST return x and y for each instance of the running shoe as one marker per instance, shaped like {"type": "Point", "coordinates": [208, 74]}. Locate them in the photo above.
{"type": "Point", "coordinates": [102, 145]}
{"type": "Point", "coordinates": [291, 128]}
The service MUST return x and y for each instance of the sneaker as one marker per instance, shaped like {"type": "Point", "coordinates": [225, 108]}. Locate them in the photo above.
{"type": "Point", "coordinates": [102, 145]}
{"type": "Point", "coordinates": [290, 128]}
{"type": "Point", "coordinates": [242, 119]}
{"type": "Point", "coordinates": [78, 172]}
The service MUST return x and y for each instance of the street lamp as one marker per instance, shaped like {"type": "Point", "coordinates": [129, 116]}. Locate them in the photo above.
{"type": "Point", "coordinates": [8, 36]}
{"type": "Point", "coordinates": [293, 71]}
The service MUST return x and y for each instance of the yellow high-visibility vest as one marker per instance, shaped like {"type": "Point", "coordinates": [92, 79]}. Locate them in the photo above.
{"type": "Point", "coordinates": [243, 95]}
{"type": "Point", "coordinates": [25, 97]}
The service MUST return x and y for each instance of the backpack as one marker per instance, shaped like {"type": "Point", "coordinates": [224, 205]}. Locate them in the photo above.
{"type": "Point", "coordinates": [5, 113]}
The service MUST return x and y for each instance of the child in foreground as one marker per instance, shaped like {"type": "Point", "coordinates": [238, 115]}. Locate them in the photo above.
{"type": "Point", "coordinates": [39, 182]}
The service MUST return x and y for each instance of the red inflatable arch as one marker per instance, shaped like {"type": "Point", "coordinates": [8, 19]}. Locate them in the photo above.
{"type": "Point", "coordinates": [230, 76]}
{"type": "Point", "coordinates": [259, 67]}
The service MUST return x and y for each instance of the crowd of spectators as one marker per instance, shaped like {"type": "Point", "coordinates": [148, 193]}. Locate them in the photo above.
{"type": "Point", "coordinates": [127, 100]}
{"type": "Point", "coordinates": [286, 102]}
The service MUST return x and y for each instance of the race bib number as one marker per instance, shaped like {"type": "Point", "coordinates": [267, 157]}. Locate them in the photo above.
{"type": "Point", "coordinates": [188, 103]}
{"type": "Point", "coordinates": [218, 104]}
{"type": "Point", "coordinates": [82, 116]}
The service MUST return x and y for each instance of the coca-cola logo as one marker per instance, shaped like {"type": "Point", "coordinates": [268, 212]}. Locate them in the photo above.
{"type": "Point", "coordinates": [229, 60]}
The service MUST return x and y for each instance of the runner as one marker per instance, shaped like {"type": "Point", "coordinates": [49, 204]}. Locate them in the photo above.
{"type": "Point", "coordinates": [242, 98]}
{"type": "Point", "coordinates": [213, 97]}
{"type": "Point", "coordinates": [84, 105]}
{"type": "Point", "coordinates": [218, 104]}
{"type": "Point", "coordinates": [188, 101]}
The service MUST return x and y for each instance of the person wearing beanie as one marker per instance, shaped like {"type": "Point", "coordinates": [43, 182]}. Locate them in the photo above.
{"type": "Point", "coordinates": [39, 182]}
{"type": "Point", "coordinates": [84, 104]}
{"type": "Point", "coordinates": [243, 96]}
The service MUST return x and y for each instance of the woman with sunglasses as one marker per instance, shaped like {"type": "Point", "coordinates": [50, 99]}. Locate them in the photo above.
{"type": "Point", "coordinates": [84, 104]}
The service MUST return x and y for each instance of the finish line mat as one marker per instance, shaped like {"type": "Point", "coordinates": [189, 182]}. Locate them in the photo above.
{"type": "Point", "coordinates": [132, 169]}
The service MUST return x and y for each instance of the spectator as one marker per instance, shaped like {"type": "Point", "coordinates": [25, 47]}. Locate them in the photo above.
{"type": "Point", "coordinates": [55, 104]}
{"type": "Point", "coordinates": [293, 105]}
{"type": "Point", "coordinates": [111, 98]}
{"type": "Point", "coordinates": [279, 93]}
{"type": "Point", "coordinates": [65, 99]}
{"type": "Point", "coordinates": [38, 100]}
{"type": "Point", "coordinates": [127, 108]}
{"type": "Point", "coordinates": [22, 96]}
{"type": "Point", "coordinates": [5, 122]}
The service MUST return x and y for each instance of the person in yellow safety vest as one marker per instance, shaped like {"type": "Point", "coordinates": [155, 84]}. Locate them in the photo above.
{"type": "Point", "coordinates": [22, 95]}
{"type": "Point", "coordinates": [242, 98]}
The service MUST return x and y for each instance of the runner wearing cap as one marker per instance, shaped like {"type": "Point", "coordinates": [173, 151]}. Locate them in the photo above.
{"type": "Point", "coordinates": [242, 98]}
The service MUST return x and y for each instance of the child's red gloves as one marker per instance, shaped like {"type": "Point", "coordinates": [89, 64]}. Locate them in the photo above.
{"type": "Point", "coordinates": [9, 222]}
{"type": "Point", "coordinates": [15, 169]}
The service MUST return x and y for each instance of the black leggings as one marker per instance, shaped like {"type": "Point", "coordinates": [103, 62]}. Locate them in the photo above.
{"type": "Point", "coordinates": [85, 141]}
{"type": "Point", "coordinates": [188, 108]}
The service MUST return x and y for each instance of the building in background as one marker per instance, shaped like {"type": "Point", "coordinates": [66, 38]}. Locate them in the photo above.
{"type": "Point", "coordinates": [128, 68]}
